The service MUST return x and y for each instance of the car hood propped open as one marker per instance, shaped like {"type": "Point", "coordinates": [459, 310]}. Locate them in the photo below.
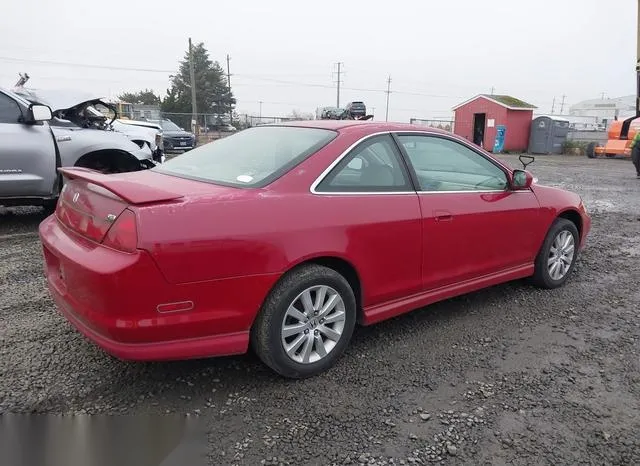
{"type": "Point", "coordinates": [59, 99]}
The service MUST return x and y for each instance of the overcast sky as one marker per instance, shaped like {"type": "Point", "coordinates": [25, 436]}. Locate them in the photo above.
{"type": "Point", "coordinates": [283, 52]}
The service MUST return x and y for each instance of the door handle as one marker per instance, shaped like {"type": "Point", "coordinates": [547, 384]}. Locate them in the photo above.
{"type": "Point", "coordinates": [443, 215]}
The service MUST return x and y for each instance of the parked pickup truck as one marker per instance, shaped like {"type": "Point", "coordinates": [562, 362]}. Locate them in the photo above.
{"type": "Point", "coordinates": [34, 144]}
{"type": "Point", "coordinates": [90, 111]}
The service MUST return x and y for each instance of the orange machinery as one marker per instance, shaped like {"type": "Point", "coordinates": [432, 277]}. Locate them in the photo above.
{"type": "Point", "coordinates": [620, 134]}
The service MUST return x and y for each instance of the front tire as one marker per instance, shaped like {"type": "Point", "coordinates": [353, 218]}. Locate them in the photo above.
{"type": "Point", "coordinates": [306, 322]}
{"type": "Point", "coordinates": [557, 257]}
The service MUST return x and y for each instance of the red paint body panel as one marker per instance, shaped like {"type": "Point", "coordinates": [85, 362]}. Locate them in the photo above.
{"type": "Point", "coordinates": [466, 245]}
{"type": "Point", "coordinates": [517, 122]}
{"type": "Point", "coordinates": [220, 250]}
{"type": "Point", "coordinates": [385, 311]}
{"type": "Point", "coordinates": [554, 202]}
{"type": "Point", "coordinates": [113, 297]}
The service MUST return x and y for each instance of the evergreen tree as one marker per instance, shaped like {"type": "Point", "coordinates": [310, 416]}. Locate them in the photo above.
{"type": "Point", "coordinates": [212, 93]}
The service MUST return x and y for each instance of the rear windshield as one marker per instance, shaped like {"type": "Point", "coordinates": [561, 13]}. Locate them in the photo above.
{"type": "Point", "coordinates": [253, 157]}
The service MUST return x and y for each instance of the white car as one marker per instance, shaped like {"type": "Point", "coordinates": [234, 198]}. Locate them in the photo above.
{"type": "Point", "coordinates": [142, 132]}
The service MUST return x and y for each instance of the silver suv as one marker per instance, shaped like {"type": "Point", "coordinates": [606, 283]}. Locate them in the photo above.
{"type": "Point", "coordinates": [34, 144]}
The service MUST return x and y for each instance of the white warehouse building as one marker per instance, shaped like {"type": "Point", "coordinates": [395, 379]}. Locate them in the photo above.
{"type": "Point", "coordinates": [605, 110]}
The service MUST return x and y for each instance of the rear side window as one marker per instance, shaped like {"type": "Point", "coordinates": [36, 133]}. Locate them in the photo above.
{"type": "Point", "coordinates": [251, 158]}
{"type": "Point", "coordinates": [373, 166]}
{"type": "Point", "coordinates": [9, 110]}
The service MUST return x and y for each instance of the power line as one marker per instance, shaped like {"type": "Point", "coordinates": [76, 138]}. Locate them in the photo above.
{"type": "Point", "coordinates": [246, 76]}
{"type": "Point", "coordinates": [359, 89]}
{"type": "Point", "coordinates": [241, 76]}
{"type": "Point", "coordinates": [81, 65]}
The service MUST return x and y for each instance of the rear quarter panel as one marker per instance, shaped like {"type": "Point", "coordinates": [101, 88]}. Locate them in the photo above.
{"type": "Point", "coordinates": [270, 234]}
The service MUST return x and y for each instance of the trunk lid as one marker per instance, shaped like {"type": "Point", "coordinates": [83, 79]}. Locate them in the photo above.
{"type": "Point", "coordinates": [90, 202]}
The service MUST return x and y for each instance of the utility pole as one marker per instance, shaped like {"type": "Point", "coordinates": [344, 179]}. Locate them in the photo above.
{"type": "Point", "coordinates": [229, 86]}
{"type": "Point", "coordinates": [338, 82]}
{"type": "Point", "coordinates": [194, 108]}
{"type": "Point", "coordinates": [388, 91]}
{"type": "Point", "coordinates": [260, 102]}
{"type": "Point", "coordinates": [492, 90]}
{"type": "Point", "coordinates": [553, 106]}
{"type": "Point", "coordinates": [562, 104]}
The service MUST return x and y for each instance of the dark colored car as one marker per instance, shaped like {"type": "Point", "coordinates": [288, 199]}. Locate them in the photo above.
{"type": "Point", "coordinates": [356, 109]}
{"type": "Point", "coordinates": [175, 138]}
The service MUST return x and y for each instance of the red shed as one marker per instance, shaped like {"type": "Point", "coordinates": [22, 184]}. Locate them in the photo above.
{"type": "Point", "coordinates": [477, 120]}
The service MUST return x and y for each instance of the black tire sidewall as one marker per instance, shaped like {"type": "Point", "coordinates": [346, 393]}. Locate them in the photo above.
{"type": "Point", "coordinates": [542, 270]}
{"type": "Point", "coordinates": [277, 306]}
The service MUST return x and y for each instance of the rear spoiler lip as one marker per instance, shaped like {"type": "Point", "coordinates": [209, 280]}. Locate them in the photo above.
{"type": "Point", "coordinates": [128, 190]}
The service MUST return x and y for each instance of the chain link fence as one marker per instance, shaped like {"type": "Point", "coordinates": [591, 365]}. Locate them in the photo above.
{"type": "Point", "coordinates": [446, 125]}
{"type": "Point", "coordinates": [211, 126]}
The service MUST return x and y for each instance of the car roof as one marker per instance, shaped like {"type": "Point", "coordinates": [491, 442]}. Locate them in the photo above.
{"type": "Point", "coordinates": [366, 126]}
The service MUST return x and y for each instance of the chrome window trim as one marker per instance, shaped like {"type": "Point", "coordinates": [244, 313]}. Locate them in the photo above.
{"type": "Point", "coordinates": [338, 159]}
{"type": "Point", "coordinates": [346, 152]}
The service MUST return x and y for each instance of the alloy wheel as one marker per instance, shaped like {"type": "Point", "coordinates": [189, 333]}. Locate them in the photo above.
{"type": "Point", "coordinates": [313, 324]}
{"type": "Point", "coordinates": [561, 255]}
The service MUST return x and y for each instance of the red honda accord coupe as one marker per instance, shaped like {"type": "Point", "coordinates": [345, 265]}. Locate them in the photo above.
{"type": "Point", "coordinates": [282, 237]}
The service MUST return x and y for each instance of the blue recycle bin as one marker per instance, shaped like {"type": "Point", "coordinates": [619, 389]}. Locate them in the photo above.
{"type": "Point", "coordinates": [498, 146]}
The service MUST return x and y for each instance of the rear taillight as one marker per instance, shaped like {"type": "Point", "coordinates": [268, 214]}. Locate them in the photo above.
{"type": "Point", "coordinates": [123, 234]}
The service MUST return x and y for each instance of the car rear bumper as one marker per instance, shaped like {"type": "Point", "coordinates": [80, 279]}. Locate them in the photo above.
{"type": "Point", "coordinates": [216, 345]}
{"type": "Point", "coordinates": [112, 298]}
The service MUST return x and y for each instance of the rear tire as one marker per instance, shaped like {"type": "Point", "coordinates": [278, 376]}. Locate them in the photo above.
{"type": "Point", "coordinates": [558, 255]}
{"type": "Point", "coordinates": [49, 206]}
{"type": "Point", "coordinates": [292, 335]}
{"type": "Point", "coordinates": [591, 150]}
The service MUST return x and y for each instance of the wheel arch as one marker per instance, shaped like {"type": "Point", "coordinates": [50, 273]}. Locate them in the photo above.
{"type": "Point", "coordinates": [574, 217]}
{"type": "Point", "coordinates": [337, 263]}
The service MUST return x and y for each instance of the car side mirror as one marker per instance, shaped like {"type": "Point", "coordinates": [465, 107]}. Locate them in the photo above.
{"type": "Point", "coordinates": [39, 112]}
{"type": "Point", "coordinates": [521, 179]}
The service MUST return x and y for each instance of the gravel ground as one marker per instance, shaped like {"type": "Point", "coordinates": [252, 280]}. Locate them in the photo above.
{"type": "Point", "coordinates": [511, 374]}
